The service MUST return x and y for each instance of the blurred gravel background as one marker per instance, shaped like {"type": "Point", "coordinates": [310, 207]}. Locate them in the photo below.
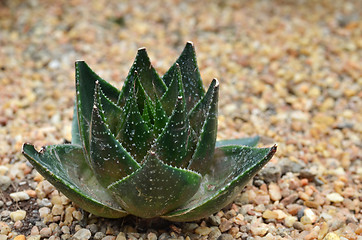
{"type": "Point", "coordinates": [290, 71]}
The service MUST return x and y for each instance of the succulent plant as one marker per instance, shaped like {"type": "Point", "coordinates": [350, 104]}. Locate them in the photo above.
{"type": "Point", "coordinates": [149, 150]}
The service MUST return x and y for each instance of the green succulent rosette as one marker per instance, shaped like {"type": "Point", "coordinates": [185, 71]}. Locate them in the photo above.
{"type": "Point", "coordinates": [149, 150]}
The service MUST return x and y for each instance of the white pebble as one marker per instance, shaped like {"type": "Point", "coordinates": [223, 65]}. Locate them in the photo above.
{"type": "Point", "coordinates": [335, 197]}
{"type": "Point", "coordinates": [19, 196]}
{"type": "Point", "coordinates": [17, 215]}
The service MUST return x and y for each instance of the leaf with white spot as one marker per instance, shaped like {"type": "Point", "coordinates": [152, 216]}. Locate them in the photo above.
{"type": "Point", "coordinates": [65, 167]}
{"type": "Point", "coordinates": [155, 188]}
{"type": "Point", "coordinates": [230, 170]}
{"type": "Point", "coordinates": [108, 159]}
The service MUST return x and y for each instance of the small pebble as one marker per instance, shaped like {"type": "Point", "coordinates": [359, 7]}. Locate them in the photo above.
{"type": "Point", "coordinates": [20, 237]}
{"type": "Point", "coordinates": [17, 215]}
{"type": "Point", "coordinates": [331, 236]}
{"type": "Point", "coordinates": [335, 197]}
{"type": "Point", "coordinates": [82, 234]}
{"type": "Point", "coordinates": [19, 196]}
{"type": "Point", "coordinates": [203, 231]}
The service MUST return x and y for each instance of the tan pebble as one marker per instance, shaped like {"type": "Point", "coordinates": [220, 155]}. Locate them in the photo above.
{"type": "Point", "coordinates": [281, 214]}
{"type": "Point", "coordinates": [270, 214]}
{"type": "Point", "coordinates": [77, 215]}
{"type": "Point", "coordinates": [122, 236]}
{"type": "Point", "coordinates": [18, 224]}
{"type": "Point", "coordinates": [293, 209]}
{"type": "Point", "coordinates": [34, 231]}
{"type": "Point", "coordinates": [20, 237]}
{"type": "Point", "coordinates": [57, 209]}
{"type": "Point", "coordinates": [290, 220]}
{"type": "Point", "coordinates": [310, 214]}
{"type": "Point", "coordinates": [68, 219]}
{"type": "Point", "coordinates": [56, 200]}
{"type": "Point", "coordinates": [259, 230]}
{"type": "Point", "coordinates": [203, 231]}
{"type": "Point", "coordinates": [323, 230]}
{"type": "Point", "coordinates": [31, 193]}
{"type": "Point", "coordinates": [274, 192]}
{"type": "Point", "coordinates": [311, 204]}
{"type": "Point", "coordinates": [4, 228]}
{"type": "Point", "coordinates": [225, 225]}
{"type": "Point", "coordinates": [45, 232]}
{"type": "Point", "coordinates": [3, 237]}
{"type": "Point", "coordinates": [43, 211]}
{"type": "Point", "coordinates": [331, 236]}
{"type": "Point", "coordinates": [38, 178]}
{"type": "Point", "coordinates": [335, 197]}
{"type": "Point", "coordinates": [17, 215]}
{"type": "Point", "coordinates": [35, 237]}
{"type": "Point", "coordinates": [303, 196]}
{"type": "Point", "coordinates": [47, 187]}
{"type": "Point", "coordinates": [239, 219]}
{"type": "Point", "coordinates": [234, 231]}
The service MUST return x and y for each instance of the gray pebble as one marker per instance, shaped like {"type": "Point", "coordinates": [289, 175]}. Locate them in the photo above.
{"type": "Point", "coordinates": [214, 220]}
{"type": "Point", "coordinates": [225, 236]}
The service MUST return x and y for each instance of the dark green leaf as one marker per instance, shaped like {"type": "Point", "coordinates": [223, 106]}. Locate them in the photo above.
{"type": "Point", "coordinates": [199, 113]}
{"type": "Point", "coordinates": [161, 119]}
{"type": "Point", "coordinates": [135, 136]}
{"type": "Point", "coordinates": [204, 151]}
{"type": "Point", "coordinates": [108, 159]}
{"type": "Point", "coordinates": [169, 99]}
{"type": "Point", "coordinates": [65, 167]}
{"type": "Point", "coordinates": [250, 141]}
{"type": "Point", "coordinates": [171, 144]}
{"type": "Point", "coordinates": [230, 170]}
{"type": "Point", "coordinates": [191, 79]}
{"type": "Point", "coordinates": [151, 82]}
{"type": "Point", "coordinates": [155, 188]}
{"type": "Point", "coordinates": [85, 84]}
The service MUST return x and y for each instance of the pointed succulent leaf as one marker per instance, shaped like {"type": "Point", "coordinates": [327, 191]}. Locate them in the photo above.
{"type": "Point", "coordinates": [151, 82]}
{"type": "Point", "coordinates": [191, 79]}
{"type": "Point", "coordinates": [112, 113]}
{"type": "Point", "coordinates": [171, 144]}
{"type": "Point", "coordinates": [155, 188]}
{"type": "Point", "coordinates": [169, 98]}
{"type": "Point", "coordinates": [85, 83]}
{"type": "Point", "coordinates": [108, 159]}
{"type": "Point", "coordinates": [160, 119]}
{"type": "Point", "coordinates": [135, 135]}
{"type": "Point", "coordinates": [204, 151]}
{"type": "Point", "coordinates": [65, 167]}
{"type": "Point", "coordinates": [231, 169]}
{"type": "Point", "coordinates": [199, 113]}
{"type": "Point", "coordinates": [250, 141]}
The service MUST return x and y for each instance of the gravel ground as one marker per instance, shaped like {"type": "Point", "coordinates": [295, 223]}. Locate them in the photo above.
{"type": "Point", "coordinates": [290, 71]}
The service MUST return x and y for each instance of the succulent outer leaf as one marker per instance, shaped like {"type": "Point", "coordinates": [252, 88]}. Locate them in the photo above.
{"type": "Point", "coordinates": [191, 78]}
{"type": "Point", "coordinates": [135, 135]}
{"type": "Point", "coordinates": [108, 159]}
{"type": "Point", "coordinates": [151, 82]}
{"type": "Point", "coordinates": [85, 83]}
{"type": "Point", "coordinates": [250, 141]}
{"type": "Point", "coordinates": [205, 147]}
{"type": "Point", "coordinates": [199, 112]}
{"type": "Point", "coordinates": [76, 139]}
{"type": "Point", "coordinates": [155, 188]}
{"type": "Point", "coordinates": [169, 98]}
{"type": "Point", "coordinates": [171, 145]}
{"type": "Point", "coordinates": [65, 167]}
{"type": "Point", "coordinates": [232, 167]}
